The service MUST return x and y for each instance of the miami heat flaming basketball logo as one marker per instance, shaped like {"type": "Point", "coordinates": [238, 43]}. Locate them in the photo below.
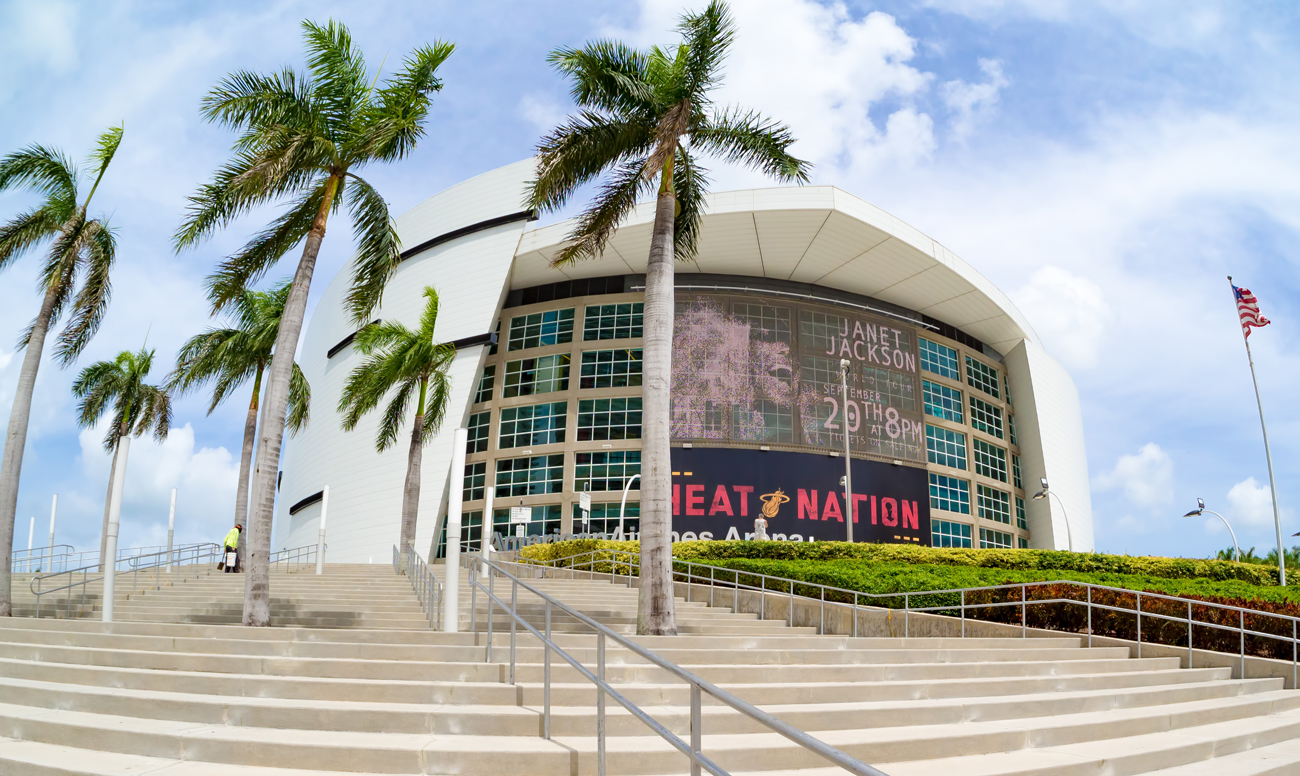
{"type": "Point", "coordinates": [772, 502]}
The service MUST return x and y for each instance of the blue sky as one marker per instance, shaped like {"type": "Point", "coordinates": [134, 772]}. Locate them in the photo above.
{"type": "Point", "coordinates": [1105, 163]}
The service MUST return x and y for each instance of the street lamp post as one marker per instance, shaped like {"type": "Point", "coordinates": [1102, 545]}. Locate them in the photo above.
{"type": "Point", "coordinates": [848, 458]}
{"type": "Point", "coordinates": [1045, 493]}
{"type": "Point", "coordinates": [1200, 507]}
{"type": "Point", "coordinates": [623, 504]}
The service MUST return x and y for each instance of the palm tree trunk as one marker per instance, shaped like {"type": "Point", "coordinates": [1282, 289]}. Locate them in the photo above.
{"type": "Point", "coordinates": [108, 498]}
{"type": "Point", "coordinates": [655, 608]}
{"type": "Point", "coordinates": [16, 440]}
{"type": "Point", "coordinates": [246, 466]}
{"type": "Point", "coordinates": [257, 578]}
{"type": "Point", "coordinates": [411, 494]}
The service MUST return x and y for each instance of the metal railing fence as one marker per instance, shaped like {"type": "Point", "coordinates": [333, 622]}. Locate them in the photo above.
{"type": "Point", "coordinates": [427, 587]}
{"type": "Point", "coordinates": [294, 556]}
{"type": "Point", "coordinates": [194, 556]}
{"type": "Point", "coordinates": [1092, 607]}
{"type": "Point", "coordinates": [63, 557]}
{"type": "Point", "coordinates": [698, 686]}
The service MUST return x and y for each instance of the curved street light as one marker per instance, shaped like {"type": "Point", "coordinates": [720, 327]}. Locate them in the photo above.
{"type": "Point", "coordinates": [1200, 507]}
{"type": "Point", "coordinates": [622, 504]}
{"type": "Point", "coordinates": [1044, 493]}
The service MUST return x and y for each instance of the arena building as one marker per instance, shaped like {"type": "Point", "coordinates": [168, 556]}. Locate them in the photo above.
{"type": "Point", "coordinates": [954, 409]}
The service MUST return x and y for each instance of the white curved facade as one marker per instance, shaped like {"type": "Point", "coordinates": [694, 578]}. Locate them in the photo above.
{"type": "Point", "coordinates": [473, 243]}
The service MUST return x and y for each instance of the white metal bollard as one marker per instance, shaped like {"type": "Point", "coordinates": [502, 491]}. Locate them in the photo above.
{"type": "Point", "coordinates": [49, 567]}
{"type": "Point", "coordinates": [455, 496]}
{"type": "Point", "coordinates": [31, 534]}
{"type": "Point", "coordinates": [114, 522]}
{"type": "Point", "coordinates": [320, 537]}
{"type": "Point", "coordinates": [485, 531]}
{"type": "Point", "coordinates": [171, 530]}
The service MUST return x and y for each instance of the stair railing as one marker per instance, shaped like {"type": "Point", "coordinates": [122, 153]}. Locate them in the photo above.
{"type": "Point", "coordinates": [195, 556]}
{"type": "Point", "coordinates": [1232, 619]}
{"type": "Point", "coordinates": [698, 686]}
{"type": "Point", "coordinates": [426, 586]}
{"type": "Point", "coordinates": [294, 556]}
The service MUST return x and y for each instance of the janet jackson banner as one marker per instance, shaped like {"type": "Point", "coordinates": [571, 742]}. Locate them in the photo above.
{"type": "Point", "coordinates": [755, 369]}
{"type": "Point", "coordinates": [718, 493]}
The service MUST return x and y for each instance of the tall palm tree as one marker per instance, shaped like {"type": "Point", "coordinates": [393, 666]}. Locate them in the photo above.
{"type": "Point", "coordinates": [411, 362]}
{"type": "Point", "coordinates": [137, 408]}
{"type": "Point", "coordinates": [303, 137]}
{"type": "Point", "coordinates": [74, 279]}
{"type": "Point", "coordinates": [227, 358]}
{"type": "Point", "coordinates": [644, 117]}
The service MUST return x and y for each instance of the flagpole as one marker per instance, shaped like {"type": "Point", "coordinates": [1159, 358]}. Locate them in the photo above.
{"type": "Point", "coordinates": [1268, 453]}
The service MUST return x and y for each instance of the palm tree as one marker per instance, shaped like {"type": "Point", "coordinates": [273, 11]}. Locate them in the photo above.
{"type": "Point", "coordinates": [410, 361]}
{"type": "Point", "coordinates": [137, 408]}
{"type": "Point", "coordinates": [302, 139]}
{"type": "Point", "coordinates": [74, 279]}
{"type": "Point", "coordinates": [644, 118]}
{"type": "Point", "coordinates": [226, 358]}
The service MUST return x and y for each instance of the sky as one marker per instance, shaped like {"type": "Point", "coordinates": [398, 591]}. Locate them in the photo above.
{"type": "Point", "coordinates": [1105, 163]}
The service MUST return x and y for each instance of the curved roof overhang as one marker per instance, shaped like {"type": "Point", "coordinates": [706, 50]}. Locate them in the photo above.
{"type": "Point", "coordinates": [809, 234]}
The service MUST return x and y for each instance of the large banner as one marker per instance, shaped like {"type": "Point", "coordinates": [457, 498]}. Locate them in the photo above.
{"type": "Point", "coordinates": [718, 493]}
{"type": "Point", "coordinates": [753, 369]}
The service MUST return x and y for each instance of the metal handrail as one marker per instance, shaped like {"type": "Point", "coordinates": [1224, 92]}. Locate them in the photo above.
{"type": "Point", "coordinates": [426, 586]}
{"type": "Point", "coordinates": [298, 556]}
{"type": "Point", "coordinates": [687, 568]}
{"type": "Point", "coordinates": [692, 750]}
{"type": "Point", "coordinates": [38, 556]}
{"type": "Point", "coordinates": [191, 555]}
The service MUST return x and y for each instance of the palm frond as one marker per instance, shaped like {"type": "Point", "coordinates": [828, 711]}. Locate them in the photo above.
{"type": "Point", "coordinates": [616, 198]}
{"type": "Point", "coordinates": [706, 37]}
{"type": "Point", "coordinates": [580, 150]}
{"type": "Point", "coordinates": [105, 150]}
{"type": "Point", "coordinates": [690, 182]}
{"type": "Point", "coordinates": [748, 138]}
{"type": "Point", "coordinates": [607, 75]}
{"type": "Point", "coordinates": [246, 267]}
{"type": "Point", "coordinates": [40, 168]}
{"type": "Point", "coordinates": [155, 413]}
{"type": "Point", "coordinates": [97, 251]}
{"type": "Point", "coordinates": [395, 119]}
{"type": "Point", "coordinates": [390, 424]}
{"type": "Point", "coordinates": [338, 71]}
{"type": "Point", "coordinates": [379, 250]}
{"type": "Point", "coordinates": [24, 232]}
{"type": "Point", "coordinates": [245, 101]}
{"type": "Point", "coordinates": [299, 401]}
{"type": "Point", "coordinates": [437, 396]}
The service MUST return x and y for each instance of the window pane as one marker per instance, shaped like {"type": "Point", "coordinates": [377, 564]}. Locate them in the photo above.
{"type": "Point", "coordinates": [604, 471]}
{"type": "Point", "coordinates": [612, 321]}
{"type": "Point", "coordinates": [990, 539]}
{"type": "Point", "coordinates": [530, 476]}
{"type": "Point", "coordinates": [532, 424]}
{"type": "Point", "coordinates": [1024, 543]}
{"type": "Point", "coordinates": [1021, 522]}
{"type": "Point", "coordinates": [486, 384]}
{"type": "Point", "coordinates": [605, 419]}
{"type": "Point", "coordinates": [982, 376]}
{"type": "Point", "coordinates": [939, 359]}
{"type": "Point", "coordinates": [610, 368]}
{"type": "Point", "coordinates": [986, 417]}
{"type": "Point", "coordinates": [604, 518]}
{"type": "Point", "coordinates": [478, 432]}
{"type": "Point", "coordinates": [536, 375]}
{"type": "Point", "coordinates": [945, 447]}
{"type": "Point", "coordinates": [552, 327]}
{"type": "Point", "coordinates": [545, 520]}
{"type": "Point", "coordinates": [942, 401]}
{"type": "Point", "coordinates": [949, 494]}
{"type": "Point", "coordinates": [945, 533]}
{"type": "Point", "coordinates": [1015, 472]}
{"type": "Point", "coordinates": [475, 477]}
{"type": "Point", "coordinates": [766, 323]}
{"type": "Point", "coordinates": [990, 461]}
{"type": "Point", "coordinates": [994, 505]}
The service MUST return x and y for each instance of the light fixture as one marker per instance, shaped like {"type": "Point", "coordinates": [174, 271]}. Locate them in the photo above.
{"type": "Point", "coordinates": [686, 445]}
{"type": "Point", "coordinates": [764, 447]}
{"type": "Point", "coordinates": [897, 463]}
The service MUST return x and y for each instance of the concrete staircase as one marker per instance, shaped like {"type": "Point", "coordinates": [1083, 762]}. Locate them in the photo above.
{"type": "Point", "coordinates": [193, 699]}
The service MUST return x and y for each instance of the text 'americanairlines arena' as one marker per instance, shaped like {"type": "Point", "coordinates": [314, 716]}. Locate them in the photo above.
{"type": "Point", "coordinates": [954, 409]}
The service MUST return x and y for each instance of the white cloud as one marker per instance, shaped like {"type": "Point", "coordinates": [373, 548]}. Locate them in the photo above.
{"type": "Point", "coordinates": [1250, 503]}
{"type": "Point", "coordinates": [42, 31]}
{"type": "Point", "coordinates": [972, 104]}
{"type": "Point", "coordinates": [1070, 310]}
{"type": "Point", "coordinates": [205, 478]}
{"type": "Point", "coordinates": [1145, 478]}
{"type": "Point", "coordinates": [541, 114]}
{"type": "Point", "coordinates": [1162, 22]}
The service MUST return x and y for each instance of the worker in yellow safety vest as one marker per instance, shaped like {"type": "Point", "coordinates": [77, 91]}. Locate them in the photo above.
{"type": "Point", "coordinates": [232, 545]}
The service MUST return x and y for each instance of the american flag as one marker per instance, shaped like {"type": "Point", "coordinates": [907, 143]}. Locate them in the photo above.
{"type": "Point", "coordinates": [1248, 310]}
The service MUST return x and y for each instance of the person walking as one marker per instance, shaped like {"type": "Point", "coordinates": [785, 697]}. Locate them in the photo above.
{"type": "Point", "coordinates": [232, 548]}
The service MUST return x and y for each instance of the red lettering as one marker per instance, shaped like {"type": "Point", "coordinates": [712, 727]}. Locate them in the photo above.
{"type": "Point", "coordinates": [743, 491]}
{"type": "Point", "coordinates": [873, 510]}
{"type": "Point", "coordinates": [677, 499]}
{"type": "Point", "coordinates": [911, 517]}
{"type": "Point", "coordinates": [721, 503]}
{"type": "Point", "coordinates": [807, 503]}
{"type": "Point", "coordinates": [889, 511]}
{"type": "Point", "coordinates": [832, 508]}
{"type": "Point", "coordinates": [857, 507]}
{"type": "Point", "coordinates": [695, 503]}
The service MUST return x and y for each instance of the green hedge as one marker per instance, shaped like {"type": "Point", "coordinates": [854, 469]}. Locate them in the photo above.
{"type": "Point", "coordinates": [1010, 560]}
